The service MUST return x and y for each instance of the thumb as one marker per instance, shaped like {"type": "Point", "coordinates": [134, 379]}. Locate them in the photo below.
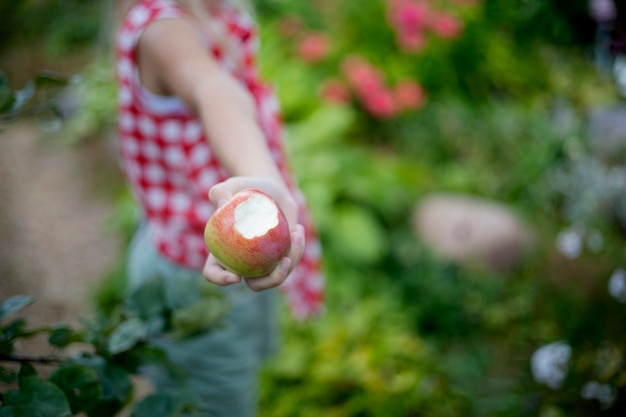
{"type": "Point", "coordinates": [219, 194]}
{"type": "Point", "coordinates": [223, 191]}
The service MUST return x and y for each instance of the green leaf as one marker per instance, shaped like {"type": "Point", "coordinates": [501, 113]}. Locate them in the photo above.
{"type": "Point", "coordinates": [9, 333]}
{"type": "Point", "coordinates": [357, 235]}
{"type": "Point", "coordinates": [322, 129]}
{"type": "Point", "coordinates": [27, 370]}
{"type": "Point", "coordinates": [14, 304]}
{"type": "Point", "coordinates": [80, 384]}
{"type": "Point", "coordinates": [185, 290]}
{"type": "Point", "coordinates": [35, 398]}
{"type": "Point", "coordinates": [7, 99]}
{"type": "Point", "coordinates": [14, 330]}
{"type": "Point", "coordinates": [126, 335]}
{"type": "Point", "coordinates": [7, 376]}
{"type": "Point", "coordinates": [6, 94]}
{"type": "Point", "coordinates": [165, 403]}
{"type": "Point", "coordinates": [199, 316]}
{"type": "Point", "coordinates": [48, 78]}
{"type": "Point", "coordinates": [147, 301]}
{"type": "Point", "coordinates": [147, 354]}
{"type": "Point", "coordinates": [115, 381]}
{"type": "Point", "coordinates": [61, 336]}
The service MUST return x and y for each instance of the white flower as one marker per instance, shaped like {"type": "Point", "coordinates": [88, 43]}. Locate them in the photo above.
{"type": "Point", "coordinates": [619, 72]}
{"type": "Point", "coordinates": [549, 364]}
{"type": "Point", "coordinates": [570, 243]}
{"type": "Point", "coordinates": [594, 390]}
{"type": "Point", "coordinates": [617, 285]}
{"type": "Point", "coordinates": [602, 10]}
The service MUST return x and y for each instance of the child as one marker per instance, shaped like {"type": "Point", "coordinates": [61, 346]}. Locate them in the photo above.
{"type": "Point", "coordinates": [195, 125]}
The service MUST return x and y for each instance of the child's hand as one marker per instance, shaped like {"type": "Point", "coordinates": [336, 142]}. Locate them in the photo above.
{"type": "Point", "coordinates": [220, 193]}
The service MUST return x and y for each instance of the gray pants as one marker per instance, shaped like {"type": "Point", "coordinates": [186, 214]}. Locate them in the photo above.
{"type": "Point", "coordinates": [223, 363]}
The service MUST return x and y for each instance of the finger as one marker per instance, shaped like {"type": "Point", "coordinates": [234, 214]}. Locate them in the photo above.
{"type": "Point", "coordinates": [274, 279]}
{"type": "Point", "coordinates": [220, 193]}
{"type": "Point", "coordinates": [297, 244]}
{"type": "Point", "coordinates": [215, 273]}
{"type": "Point", "coordinates": [224, 190]}
{"type": "Point", "coordinates": [284, 268]}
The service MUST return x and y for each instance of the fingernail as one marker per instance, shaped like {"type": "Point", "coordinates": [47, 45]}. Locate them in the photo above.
{"type": "Point", "coordinates": [299, 234]}
{"type": "Point", "coordinates": [285, 265]}
{"type": "Point", "coordinates": [232, 279]}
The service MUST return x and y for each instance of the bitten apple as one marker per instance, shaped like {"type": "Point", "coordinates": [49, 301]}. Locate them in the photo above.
{"type": "Point", "coordinates": [249, 234]}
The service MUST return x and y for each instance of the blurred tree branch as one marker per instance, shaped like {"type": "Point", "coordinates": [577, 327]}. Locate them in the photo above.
{"type": "Point", "coordinates": [36, 98]}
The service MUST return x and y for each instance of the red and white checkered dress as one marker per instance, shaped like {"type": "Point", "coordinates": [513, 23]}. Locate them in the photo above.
{"type": "Point", "coordinates": [167, 159]}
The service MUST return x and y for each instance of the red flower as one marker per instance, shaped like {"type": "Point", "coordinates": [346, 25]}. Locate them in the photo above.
{"type": "Point", "coordinates": [334, 91]}
{"type": "Point", "coordinates": [444, 25]}
{"type": "Point", "coordinates": [362, 76]}
{"type": "Point", "coordinates": [412, 20]}
{"type": "Point", "coordinates": [409, 18]}
{"type": "Point", "coordinates": [314, 47]}
{"type": "Point", "coordinates": [368, 85]}
{"type": "Point", "coordinates": [380, 103]}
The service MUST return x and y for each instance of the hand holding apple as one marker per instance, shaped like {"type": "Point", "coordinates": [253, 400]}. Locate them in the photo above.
{"type": "Point", "coordinates": [249, 236]}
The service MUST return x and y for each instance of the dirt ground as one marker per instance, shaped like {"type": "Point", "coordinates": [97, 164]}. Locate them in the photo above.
{"type": "Point", "coordinates": [55, 237]}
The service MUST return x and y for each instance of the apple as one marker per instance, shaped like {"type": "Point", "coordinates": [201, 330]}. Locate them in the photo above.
{"type": "Point", "coordinates": [249, 234]}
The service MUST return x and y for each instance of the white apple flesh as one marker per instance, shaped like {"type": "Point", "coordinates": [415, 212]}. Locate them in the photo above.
{"type": "Point", "coordinates": [249, 234]}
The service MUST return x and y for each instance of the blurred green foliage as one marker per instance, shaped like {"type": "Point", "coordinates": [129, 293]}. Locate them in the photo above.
{"type": "Point", "coordinates": [60, 25]}
{"type": "Point", "coordinates": [95, 380]}
{"type": "Point", "coordinates": [503, 116]}
{"type": "Point", "coordinates": [38, 98]}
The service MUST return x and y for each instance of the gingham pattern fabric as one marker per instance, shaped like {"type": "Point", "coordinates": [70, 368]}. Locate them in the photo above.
{"type": "Point", "coordinates": [167, 159]}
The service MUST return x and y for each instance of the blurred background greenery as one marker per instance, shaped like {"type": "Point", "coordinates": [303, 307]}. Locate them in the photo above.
{"type": "Point", "coordinates": [387, 105]}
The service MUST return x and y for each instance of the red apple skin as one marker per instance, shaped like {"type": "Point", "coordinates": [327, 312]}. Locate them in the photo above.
{"type": "Point", "coordinates": [248, 258]}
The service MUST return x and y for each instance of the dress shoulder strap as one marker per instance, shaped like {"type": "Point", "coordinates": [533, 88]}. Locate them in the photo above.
{"type": "Point", "coordinates": [139, 17]}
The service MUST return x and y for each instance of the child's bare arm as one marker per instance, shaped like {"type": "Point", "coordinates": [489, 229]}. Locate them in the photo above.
{"type": "Point", "coordinates": [174, 61]}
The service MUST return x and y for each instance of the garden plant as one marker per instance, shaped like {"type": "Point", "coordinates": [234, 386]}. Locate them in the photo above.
{"type": "Point", "coordinates": [386, 102]}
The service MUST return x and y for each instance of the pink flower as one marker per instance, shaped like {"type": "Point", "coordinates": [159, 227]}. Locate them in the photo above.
{"type": "Point", "coordinates": [409, 95]}
{"type": "Point", "coordinates": [444, 25]}
{"type": "Point", "coordinates": [314, 47]}
{"type": "Point", "coordinates": [362, 76]}
{"type": "Point", "coordinates": [369, 87]}
{"type": "Point", "coordinates": [334, 91]}
{"type": "Point", "coordinates": [412, 42]}
{"type": "Point", "coordinates": [380, 103]}
{"type": "Point", "coordinates": [412, 20]}
{"type": "Point", "coordinates": [408, 18]}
